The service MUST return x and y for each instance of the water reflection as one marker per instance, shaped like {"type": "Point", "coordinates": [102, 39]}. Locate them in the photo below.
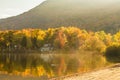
{"type": "Point", "coordinates": [32, 64]}
{"type": "Point", "coordinates": [49, 65]}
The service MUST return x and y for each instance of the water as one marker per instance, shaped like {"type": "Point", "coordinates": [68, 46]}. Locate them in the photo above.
{"type": "Point", "coordinates": [27, 64]}
{"type": "Point", "coordinates": [48, 65]}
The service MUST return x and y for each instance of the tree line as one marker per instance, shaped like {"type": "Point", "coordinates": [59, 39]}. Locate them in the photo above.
{"type": "Point", "coordinates": [63, 38]}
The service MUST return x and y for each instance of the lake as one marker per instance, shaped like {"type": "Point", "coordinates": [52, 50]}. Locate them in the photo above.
{"type": "Point", "coordinates": [28, 65]}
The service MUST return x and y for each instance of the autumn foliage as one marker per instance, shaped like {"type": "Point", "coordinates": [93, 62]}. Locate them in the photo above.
{"type": "Point", "coordinates": [59, 38]}
{"type": "Point", "coordinates": [63, 38]}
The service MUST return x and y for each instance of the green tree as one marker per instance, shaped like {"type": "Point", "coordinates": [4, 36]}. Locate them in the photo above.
{"type": "Point", "coordinates": [24, 42]}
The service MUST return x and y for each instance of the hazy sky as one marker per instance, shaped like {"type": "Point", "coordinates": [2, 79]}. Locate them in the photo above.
{"type": "Point", "coordinates": [14, 7]}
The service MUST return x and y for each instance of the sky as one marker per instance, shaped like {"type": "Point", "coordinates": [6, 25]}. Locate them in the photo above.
{"type": "Point", "coordinates": [10, 8]}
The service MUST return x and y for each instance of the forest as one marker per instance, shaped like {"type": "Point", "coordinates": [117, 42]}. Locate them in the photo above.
{"type": "Point", "coordinates": [85, 51]}
{"type": "Point", "coordinates": [70, 38]}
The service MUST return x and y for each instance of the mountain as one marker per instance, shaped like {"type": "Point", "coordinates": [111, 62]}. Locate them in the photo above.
{"type": "Point", "coordinates": [87, 14]}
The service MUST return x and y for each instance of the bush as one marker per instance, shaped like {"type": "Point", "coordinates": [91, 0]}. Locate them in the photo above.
{"type": "Point", "coordinates": [113, 53]}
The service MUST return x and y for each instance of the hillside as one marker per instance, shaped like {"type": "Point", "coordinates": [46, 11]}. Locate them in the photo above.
{"type": "Point", "coordinates": [91, 15]}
